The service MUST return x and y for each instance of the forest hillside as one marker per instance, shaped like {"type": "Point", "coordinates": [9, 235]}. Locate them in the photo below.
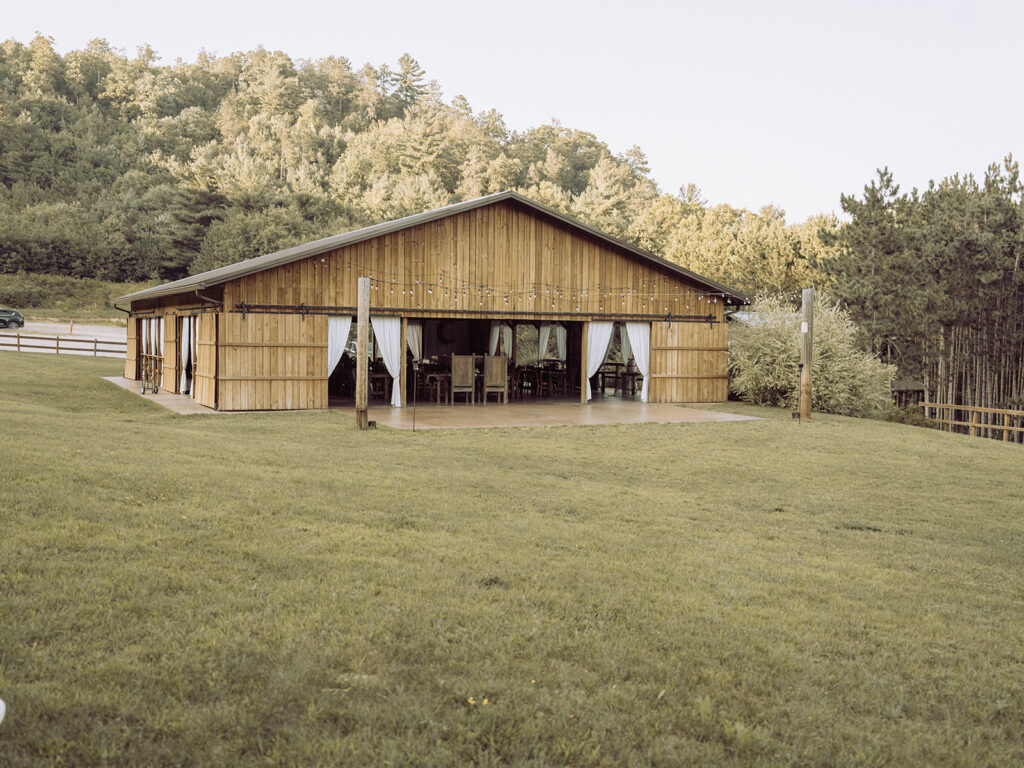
{"type": "Point", "coordinates": [122, 168]}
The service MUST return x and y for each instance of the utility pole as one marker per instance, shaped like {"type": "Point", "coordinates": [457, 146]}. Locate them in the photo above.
{"type": "Point", "coordinates": [806, 352]}
{"type": "Point", "coordinates": [362, 353]}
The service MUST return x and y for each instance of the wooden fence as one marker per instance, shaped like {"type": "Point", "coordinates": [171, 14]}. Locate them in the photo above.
{"type": "Point", "coordinates": [68, 345]}
{"type": "Point", "coordinates": [976, 414]}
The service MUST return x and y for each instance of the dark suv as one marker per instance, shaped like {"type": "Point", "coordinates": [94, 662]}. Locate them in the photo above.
{"type": "Point", "coordinates": [10, 318]}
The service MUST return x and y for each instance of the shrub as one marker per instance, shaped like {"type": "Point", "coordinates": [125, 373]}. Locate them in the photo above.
{"type": "Point", "coordinates": [764, 362]}
{"type": "Point", "coordinates": [23, 290]}
{"type": "Point", "coordinates": [911, 414]}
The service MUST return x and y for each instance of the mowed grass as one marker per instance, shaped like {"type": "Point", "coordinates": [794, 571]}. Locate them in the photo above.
{"type": "Point", "coordinates": [280, 589]}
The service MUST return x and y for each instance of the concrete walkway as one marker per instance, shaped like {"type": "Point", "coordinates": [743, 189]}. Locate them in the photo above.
{"type": "Point", "coordinates": [177, 403]}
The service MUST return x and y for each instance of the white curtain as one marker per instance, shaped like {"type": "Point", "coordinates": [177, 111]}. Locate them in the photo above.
{"type": "Point", "coordinates": [599, 338]}
{"type": "Point", "coordinates": [388, 332]}
{"type": "Point", "coordinates": [414, 338]}
{"type": "Point", "coordinates": [624, 343]}
{"type": "Point", "coordinates": [337, 336]}
{"type": "Point", "coordinates": [506, 337]}
{"type": "Point", "coordinates": [160, 339]}
{"type": "Point", "coordinates": [492, 348]}
{"type": "Point", "coordinates": [542, 340]}
{"type": "Point", "coordinates": [560, 334]}
{"type": "Point", "coordinates": [640, 341]}
{"type": "Point", "coordinates": [186, 345]}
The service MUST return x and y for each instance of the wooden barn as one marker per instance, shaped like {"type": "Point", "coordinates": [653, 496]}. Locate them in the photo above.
{"type": "Point", "coordinates": [496, 277]}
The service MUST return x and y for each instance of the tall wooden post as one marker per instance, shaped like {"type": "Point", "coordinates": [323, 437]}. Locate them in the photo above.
{"type": "Point", "coordinates": [806, 352]}
{"type": "Point", "coordinates": [362, 353]}
{"type": "Point", "coordinates": [583, 362]}
{"type": "Point", "coordinates": [403, 370]}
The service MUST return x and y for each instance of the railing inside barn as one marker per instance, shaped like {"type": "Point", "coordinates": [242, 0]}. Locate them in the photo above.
{"type": "Point", "coordinates": [978, 421]}
{"type": "Point", "coordinates": [67, 345]}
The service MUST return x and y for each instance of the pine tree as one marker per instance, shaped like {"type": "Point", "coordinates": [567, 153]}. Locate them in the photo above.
{"type": "Point", "coordinates": [408, 82]}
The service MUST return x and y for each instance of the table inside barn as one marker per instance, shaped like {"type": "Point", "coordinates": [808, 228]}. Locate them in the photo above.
{"type": "Point", "coordinates": [434, 380]}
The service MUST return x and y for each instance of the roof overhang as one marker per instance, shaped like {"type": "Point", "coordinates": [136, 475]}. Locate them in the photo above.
{"type": "Point", "coordinates": [317, 247]}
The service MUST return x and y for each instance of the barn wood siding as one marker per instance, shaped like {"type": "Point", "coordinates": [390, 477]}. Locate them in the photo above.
{"type": "Point", "coordinates": [131, 350]}
{"type": "Point", "coordinates": [204, 389]}
{"type": "Point", "coordinates": [689, 362]}
{"type": "Point", "coordinates": [171, 308]}
{"type": "Point", "coordinates": [439, 267]}
{"type": "Point", "coordinates": [171, 356]}
{"type": "Point", "coordinates": [501, 261]}
{"type": "Point", "coordinates": [272, 362]}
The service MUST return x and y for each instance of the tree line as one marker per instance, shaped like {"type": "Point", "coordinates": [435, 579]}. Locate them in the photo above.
{"type": "Point", "coordinates": [127, 169]}
{"type": "Point", "coordinates": [122, 168]}
{"type": "Point", "coordinates": [934, 279]}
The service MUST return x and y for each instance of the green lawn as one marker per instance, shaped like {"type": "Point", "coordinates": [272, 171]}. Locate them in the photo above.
{"type": "Point", "coordinates": [280, 589]}
{"type": "Point", "coordinates": [59, 299]}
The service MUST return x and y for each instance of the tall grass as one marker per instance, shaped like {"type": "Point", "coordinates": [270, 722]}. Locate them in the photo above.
{"type": "Point", "coordinates": [281, 589]}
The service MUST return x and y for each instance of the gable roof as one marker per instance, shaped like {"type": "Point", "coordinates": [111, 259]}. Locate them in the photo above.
{"type": "Point", "coordinates": [317, 247]}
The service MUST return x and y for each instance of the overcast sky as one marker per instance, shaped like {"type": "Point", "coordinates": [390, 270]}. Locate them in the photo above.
{"type": "Point", "coordinates": [791, 103]}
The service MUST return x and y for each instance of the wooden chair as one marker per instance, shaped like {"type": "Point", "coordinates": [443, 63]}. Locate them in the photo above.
{"type": "Point", "coordinates": [526, 381]}
{"type": "Point", "coordinates": [437, 387]}
{"type": "Point", "coordinates": [496, 377]}
{"type": "Point", "coordinates": [463, 377]}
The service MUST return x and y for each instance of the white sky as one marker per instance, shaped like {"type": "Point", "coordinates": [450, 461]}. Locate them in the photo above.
{"type": "Point", "coordinates": [788, 102]}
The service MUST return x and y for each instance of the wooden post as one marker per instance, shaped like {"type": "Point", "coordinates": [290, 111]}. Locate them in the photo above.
{"type": "Point", "coordinates": [94, 342]}
{"type": "Point", "coordinates": [583, 363]}
{"type": "Point", "coordinates": [403, 374]}
{"type": "Point", "coordinates": [1006, 423]}
{"type": "Point", "coordinates": [362, 353]}
{"type": "Point", "coordinates": [975, 420]}
{"type": "Point", "coordinates": [58, 345]}
{"type": "Point", "coordinates": [806, 352]}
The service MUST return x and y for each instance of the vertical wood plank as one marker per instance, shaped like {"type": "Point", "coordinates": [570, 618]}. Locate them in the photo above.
{"type": "Point", "coordinates": [362, 352]}
{"type": "Point", "coordinates": [583, 362]}
{"type": "Point", "coordinates": [402, 367]}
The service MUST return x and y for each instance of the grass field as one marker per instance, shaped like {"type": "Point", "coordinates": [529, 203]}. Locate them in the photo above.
{"type": "Point", "coordinates": [280, 589]}
{"type": "Point", "coordinates": [58, 298]}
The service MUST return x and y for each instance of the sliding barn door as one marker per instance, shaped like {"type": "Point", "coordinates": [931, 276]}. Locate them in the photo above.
{"type": "Point", "coordinates": [204, 367]}
{"type": "Point", "coordinates": [131, 352]}
{"type": "Point", "coordinates": [273, 362]}
{"type": "Point", "coordinates": [169, 382]}
{"type": "Point", "coordinates": [689, 362]}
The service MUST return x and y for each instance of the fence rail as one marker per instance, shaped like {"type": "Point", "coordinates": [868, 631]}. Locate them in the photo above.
{"type": "Point", "coordinates": [975, 424]}
{"type": "Point", "coordinates": [68, 345]}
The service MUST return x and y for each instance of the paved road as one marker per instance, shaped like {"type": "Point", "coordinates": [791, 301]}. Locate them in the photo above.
{"type": "Point", "coordinates": [107, 332]}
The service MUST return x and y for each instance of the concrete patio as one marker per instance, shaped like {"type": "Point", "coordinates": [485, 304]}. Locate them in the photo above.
{"type": "Point", "coordinates": [178, 403]}
{"type": "Point", "coordinates": [553, 413]}
{"type": "Point", "coordinates": [530, 413]}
